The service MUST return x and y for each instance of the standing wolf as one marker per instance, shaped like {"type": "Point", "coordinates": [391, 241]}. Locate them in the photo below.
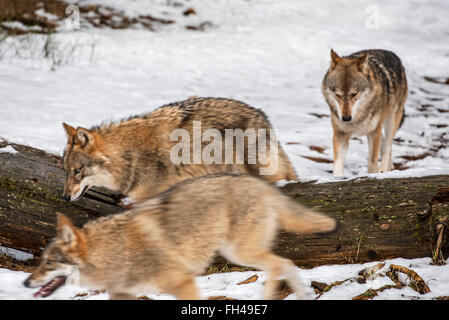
{"type": "Point", "coordinates": [168, 239]}
{"type": "Point", "coordinates": [133, 156]}
{"type": "Point", "coordinates": [366, 93]}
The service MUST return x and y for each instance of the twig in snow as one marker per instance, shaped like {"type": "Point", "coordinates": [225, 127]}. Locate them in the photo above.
{"type": "Point", "coordinates": [417, 284]}
{"type": "Point", "coordinates": [330, 286]}
{"type": "Point", "coordinates": [371, 293]}
{"type": "Point", "coordinates": [249, 280]}
{"type": "Point", "coordinates": [437, 257]}
{"type": "Point", "coordinates": [369, 273]}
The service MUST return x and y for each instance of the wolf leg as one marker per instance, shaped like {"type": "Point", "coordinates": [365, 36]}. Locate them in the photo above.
{"type": "Point", "coordinates": [373, 147]}
{"type": "Point", "coordinates": [275, 267]}
{"type": "Point", "coordinates": [340, 145]}
{"type": "Point", "coordinates": [385, 148]}
{"type": "Point", "coordinates": [290, 273]}
{"type": "Point", "coordinates": [182, 286]}
{"type": "Point", "coordinates": [391, 125]}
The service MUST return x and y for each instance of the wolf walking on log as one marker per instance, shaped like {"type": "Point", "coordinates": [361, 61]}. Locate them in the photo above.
{"type": "Point", "coordinates": [133, 156]}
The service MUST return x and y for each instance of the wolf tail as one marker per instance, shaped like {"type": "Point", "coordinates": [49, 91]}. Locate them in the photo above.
{"type": "Point", "coordinates": [297, 218]}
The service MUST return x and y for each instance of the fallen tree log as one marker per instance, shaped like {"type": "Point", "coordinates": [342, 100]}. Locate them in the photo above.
{"type": "Point", "coordinates": [378, 219]}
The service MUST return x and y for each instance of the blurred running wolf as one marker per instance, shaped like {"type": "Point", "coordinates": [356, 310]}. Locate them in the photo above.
{"type": "Point", "coordinates": [166, 240]}
{"type": "Point", "coordinates": [366, 92]}
{"type": "Point", "coordinates": [133, 156]}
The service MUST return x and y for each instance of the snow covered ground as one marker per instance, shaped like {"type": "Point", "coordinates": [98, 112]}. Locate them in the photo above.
{"type": "Point", "coordinates": [270, 54]}
{"type": "Point", "coordinates": [227, 284]}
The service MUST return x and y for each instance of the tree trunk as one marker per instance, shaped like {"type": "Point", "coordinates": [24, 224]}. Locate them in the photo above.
{"type": "Point", "coordinates": [377, 219]}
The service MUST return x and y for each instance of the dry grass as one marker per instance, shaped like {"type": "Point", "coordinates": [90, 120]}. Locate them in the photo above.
{"type": "Point", "coordinates": [10, 263]}
{"type": "Point", "coordinates": [222, 268]}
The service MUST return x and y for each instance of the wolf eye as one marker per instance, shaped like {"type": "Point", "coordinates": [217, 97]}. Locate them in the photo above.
{"type": "Point", "coordinates": [77, 170]}
{"type": "Point", "coordinates": [353, 94]}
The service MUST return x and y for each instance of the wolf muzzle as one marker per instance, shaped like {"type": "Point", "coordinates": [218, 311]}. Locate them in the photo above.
{"type": "Point", "coordinates": [26, 283]}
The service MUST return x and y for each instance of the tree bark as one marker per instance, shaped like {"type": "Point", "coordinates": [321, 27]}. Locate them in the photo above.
{"type": "Point", "coordinates": [377, 219]}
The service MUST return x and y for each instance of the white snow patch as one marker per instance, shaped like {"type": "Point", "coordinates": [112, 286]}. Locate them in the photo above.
{"type": "Point", "coordinates": [8, 149]}
{"type": "Point", "coordinates": [16, 254]}
{"type": "Point", "coordinates": [226, 284]}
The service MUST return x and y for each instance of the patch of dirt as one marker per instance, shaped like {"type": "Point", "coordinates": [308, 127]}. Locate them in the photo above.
{"type": "Point", "coordinates": [108, 17]}
{"type": "Point", "coordinates": [189, 11]}
{"type": "Point", "coordinates": [425, 107]}
{"type": "Point", "coordinates": [417, 157]}
{"type": "Point", "coordinates": [201, 27]}
{"type": "Point", "coordinates": [220, 298]}
{"type": "Point", "coordinates": [440, 80]}
{"type": "Point", "coordinates": [317, 159]}
{"type": "Point", "coordinates": [30, 13]}
{"type": "Point", "coordinates": [319, 115]}
{"type": "Point", "coordinates": [317, 149]}
{"type": "Point", "coordinates": [434, 99]}
{"type": "Point", "coordinates": [19, 17]}
{"type": "Point", "coordinates": [399, 166]}
{"type": "Point", "coordinates": [439, 125]}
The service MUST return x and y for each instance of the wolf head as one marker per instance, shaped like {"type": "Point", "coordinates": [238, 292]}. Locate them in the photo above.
{"type": "Point", "coordinates": [60, 260]}
{"type": "Point", "coordinates": [346, 84]}
{"type": "Point", "coordinates": [85, 162]}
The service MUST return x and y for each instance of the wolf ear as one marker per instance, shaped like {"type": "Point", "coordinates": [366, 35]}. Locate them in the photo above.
{"type": "Point", "coordinates": [65, 229]}
{"type": "Point", "coordinates": [84, 136]}
{"type": "Point", "coordinates": [362, 63]}
{"type": "Point", "coordinates": [69, 130]}
{"type": "Point", "coordinates": [335, 58]}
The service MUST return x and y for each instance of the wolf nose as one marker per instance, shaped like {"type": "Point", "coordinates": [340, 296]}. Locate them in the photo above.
{"type": "Point", "coordinates": [26, 283]}
{"type": "Point", "coordinates": [346, 118]}
{"type": "Point", "coordinates": [65, 197]}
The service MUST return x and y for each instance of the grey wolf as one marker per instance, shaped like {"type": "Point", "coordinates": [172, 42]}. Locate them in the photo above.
{"type": "Point", "coordinates": [366, 92]}
{"type": "Point", "coordinates": [132, 156]}
{"type": "Point", "coordinates": [168, 239]}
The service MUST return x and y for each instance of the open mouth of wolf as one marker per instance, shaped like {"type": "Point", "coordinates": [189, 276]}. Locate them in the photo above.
{"type": "Point", "coordinates": [50, 287]}
{"type": "Point", "coordinates": [82, 193]}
